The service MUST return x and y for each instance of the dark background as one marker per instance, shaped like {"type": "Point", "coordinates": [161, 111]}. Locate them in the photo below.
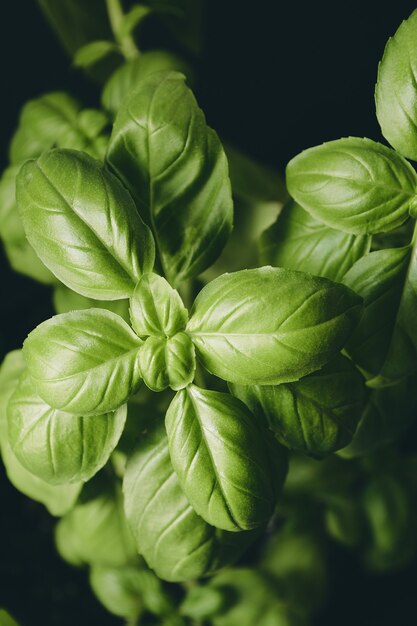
{"type": "Point", "coordinates": [275, 78]}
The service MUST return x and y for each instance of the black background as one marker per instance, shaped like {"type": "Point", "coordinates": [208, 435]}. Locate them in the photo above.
{"type": "Point", "coordinates": [275, 78]}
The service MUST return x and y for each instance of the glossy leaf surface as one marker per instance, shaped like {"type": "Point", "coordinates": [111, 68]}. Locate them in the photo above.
{"type": "Point", "coordinates": [353, 184]}
{"type": "Point", "coordinates": [176, 169]}
{"type": "Point", "coordinates": [56, 446]}
{"type": "Point", "coordinates": [270, 325]}
{"type": "Point", "coordinates": [396, 89]}
{"type": "Point", "coordinates": [299, 241]}
{"type": "Point", "coordinates": [315, 415]}
{"type": "Point", "coordinates": [84, 362]}
{"type": "Point", "coordinates": [220, 458]}
{"type": "Point", "coordinates": [167, 362]}
{"type": "Point", "coordinates": [174, 540]}
{"type": "Point", "coordinates": [156, 308]}
{"type": "Point", "coordinates": [83, 225]}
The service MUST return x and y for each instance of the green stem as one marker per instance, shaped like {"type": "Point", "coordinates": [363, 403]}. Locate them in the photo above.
{"type": "Point", "coordinates": [116, 15]}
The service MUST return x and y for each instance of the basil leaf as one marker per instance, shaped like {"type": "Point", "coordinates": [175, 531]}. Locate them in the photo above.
{"type": "Point", "coordinates": [270, 325]}
{"type": "Point", "coordinates": [66, 300]}
{"type": "Point", "coordinates": [315, 415]}
{"type": "Point", "coordinates": [387, 415]}
{"type": "Point", "coordinates": [118, 589]}
{"type": "Point", "coordinates": [84, 362]}
{"type": "Point", "coordinates": [167, 362]}
{"type": "Point", "coordinates": [94, 51]}
{"type": "Point", "coordinates": [396, 90]}
{"type": "Point", "coordinates": [57, 499]}
{"type": "Point", "coordinates": [128, 76]}
{"type": "Point", "coordinates": [95, 531]}
{"type": "Point", "coordinates": [83, 224]}
{"type": "Point", "coordinates": [353, 184]}
{"type": "Point", "coordinates": [384, 344]}
{"type": "Point", "coordinates": [298, 241]}
{"type": "Point", "coordinates": [56, 120]}
{"type": "Point", "coordinates": [56, 446]}
{"type": "Point", "coordinates": [174, 540]}
{"type": "Point", "coordinates": [220, 458]}
{"type": "Point", "coordinates": [156, 308]}
{"type": "Point", "coordinates": [176, 173]}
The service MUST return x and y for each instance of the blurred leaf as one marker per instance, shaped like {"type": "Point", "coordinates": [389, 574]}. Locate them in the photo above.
{"type": "Point", "coordinates": [132, 19]}
{"type": "Point", "coordinates": [93, 52]}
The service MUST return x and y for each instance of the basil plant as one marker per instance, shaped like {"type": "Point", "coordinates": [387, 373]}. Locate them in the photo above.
{"type": "Point", "coordinates": [155, 412]}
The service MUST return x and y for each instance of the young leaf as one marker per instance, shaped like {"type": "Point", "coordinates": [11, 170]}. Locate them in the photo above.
{"type": "Point", "coordinates": [299, 241]}
{"type": "Point", "coordinates": [93, 52]}
{"type": "Point", "coordinates": [177, 173]}
{"type": "Point", "coordinates": [95, 531]}
{"type": "Point", "coordinates": [353, 184]}
{"type": "Point", "coordinates": [396, 89]}
{"type": "Point", "coordinates": [384, 344]}
{"type": "Point", "coordinates": [118, 589]}
{"type": "Point", "coordinates": [83, 224]}
{"type": "Point", "coordinates": [128, 76]}
{"type": "Point", "coordinates": [56, 446]}
{"type": "Point", "coordinates": [6, 619]}
{"type": "Point", "coordinates": [156, 308]}
{"type": "Point", "coordinates": [270, 325]}
{"type": "Point", "coordinates": [84, 362]}
{"type": "Point", "coordinates": [315, 415]}
{"type": "Point", "coordinates": [55, 120]}
{"type": "Point", "coordinates": [387, 415]}
{"type": "Point", "coordinates": [132, 19]}
{"type": "Point", "coordinates": [167, 362]}
{"type": "Point", "coordinates": [57, 499]}
{"type": "Point", "coordinates": [177, 543]}
{"type": "Point", "coordinates": [220, 458]}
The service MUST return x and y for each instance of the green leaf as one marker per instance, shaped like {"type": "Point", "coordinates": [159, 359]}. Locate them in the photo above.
{"type": "Point", "coordinates": [177, 173]}
{"type": "Point", "coordinates": [95, 531]}
{"type": "Point", "coordinates": [203, 602]}
{"type": "Point", "coordinates": [6, 619]}
{"type": "Point", "coordinates": [254, 599]}
{"type": "Point", "coordinates": [387, 415]}
{"type": "Point", "coordinates": [167, 362]}
{"type": "Point", "coordinates": [66, 300]}
{"type": "Point", "coordinates": [156, 308]}
{"type": "Point", "coordinates": [130, 75]}
{"type": "Point", "coordinates": [57, 499]}
{"type": "Point", "coordinates": [83, 224]}
{"type": "Point", "coordinates": [132, 19]}
{"type": "Point", "coordinates": [177, 543]}
{"type": "Point", "coordinates": [353, 184]}
{"type": "Point", "coordinates": [315, 415]}
{"type": "Point", "coordinates": [299, 241]}
{"type": "Point", "coordinates": [56, 120]}
{"type": "Point", "coordinates": [270, 325]}
{"type": "Point", "coordinates": [56, 446]}
{"type": "Point", "coordinates": [396, 89]}
{"type": "Point", "coordinates": [221, 460]}
{"type": "Point", "coordinates": [118, 589]}
{"type": "Point", "coordinates": [95, 51]}
{"type": "Point", "coordinates": [384, 344]}
{"type": "Point", "coordinates": [84, 362]}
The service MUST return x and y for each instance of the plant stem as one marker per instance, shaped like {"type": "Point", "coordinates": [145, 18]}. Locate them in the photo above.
{"type": "Point", "coordinates": [116, 15]}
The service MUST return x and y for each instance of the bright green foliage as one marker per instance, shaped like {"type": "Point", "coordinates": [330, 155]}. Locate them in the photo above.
{"type": "Point", "coordinates": [299, 241]}
{"type": "Point", "coordinates": [84, 362]}
{"type": "Point", "coordinates": [6, 619]}
{"type": "Point", "coordinates": [95, 530]}
{"type": "Point", "coordinates": [396, 90]}
{"type": "Point", "coordinates": [270, 325]}
{"type": "Point", "coordinates": [118, 589]}
{"type": "Point", "coordinates": [128, 76]}
{"type": "Point", "coordinates": [353, 184]}
{"type": "Point", "coordinates": [384, 344]}
{"type": "Point", "coordinates": [83, 224]}
{"type": "Point", "coordinates": [219, 455]}
{"type": "Point", "coordinates": [317, 414]}
{"type": "Point", "coordinates": [167, 362]}
{"type": "Point", "coordinates": [93, 52]}
{"type": "Point", "coordinates": [56, 446]}
{"type": "Point", "coordinates": [175, 541]}
{"type": "Point", "coordinates": [156, 308]}
{"type": "Point", "coordinates": [177, 173]}
{"type": "Point", "coordinates": [66, 300]}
